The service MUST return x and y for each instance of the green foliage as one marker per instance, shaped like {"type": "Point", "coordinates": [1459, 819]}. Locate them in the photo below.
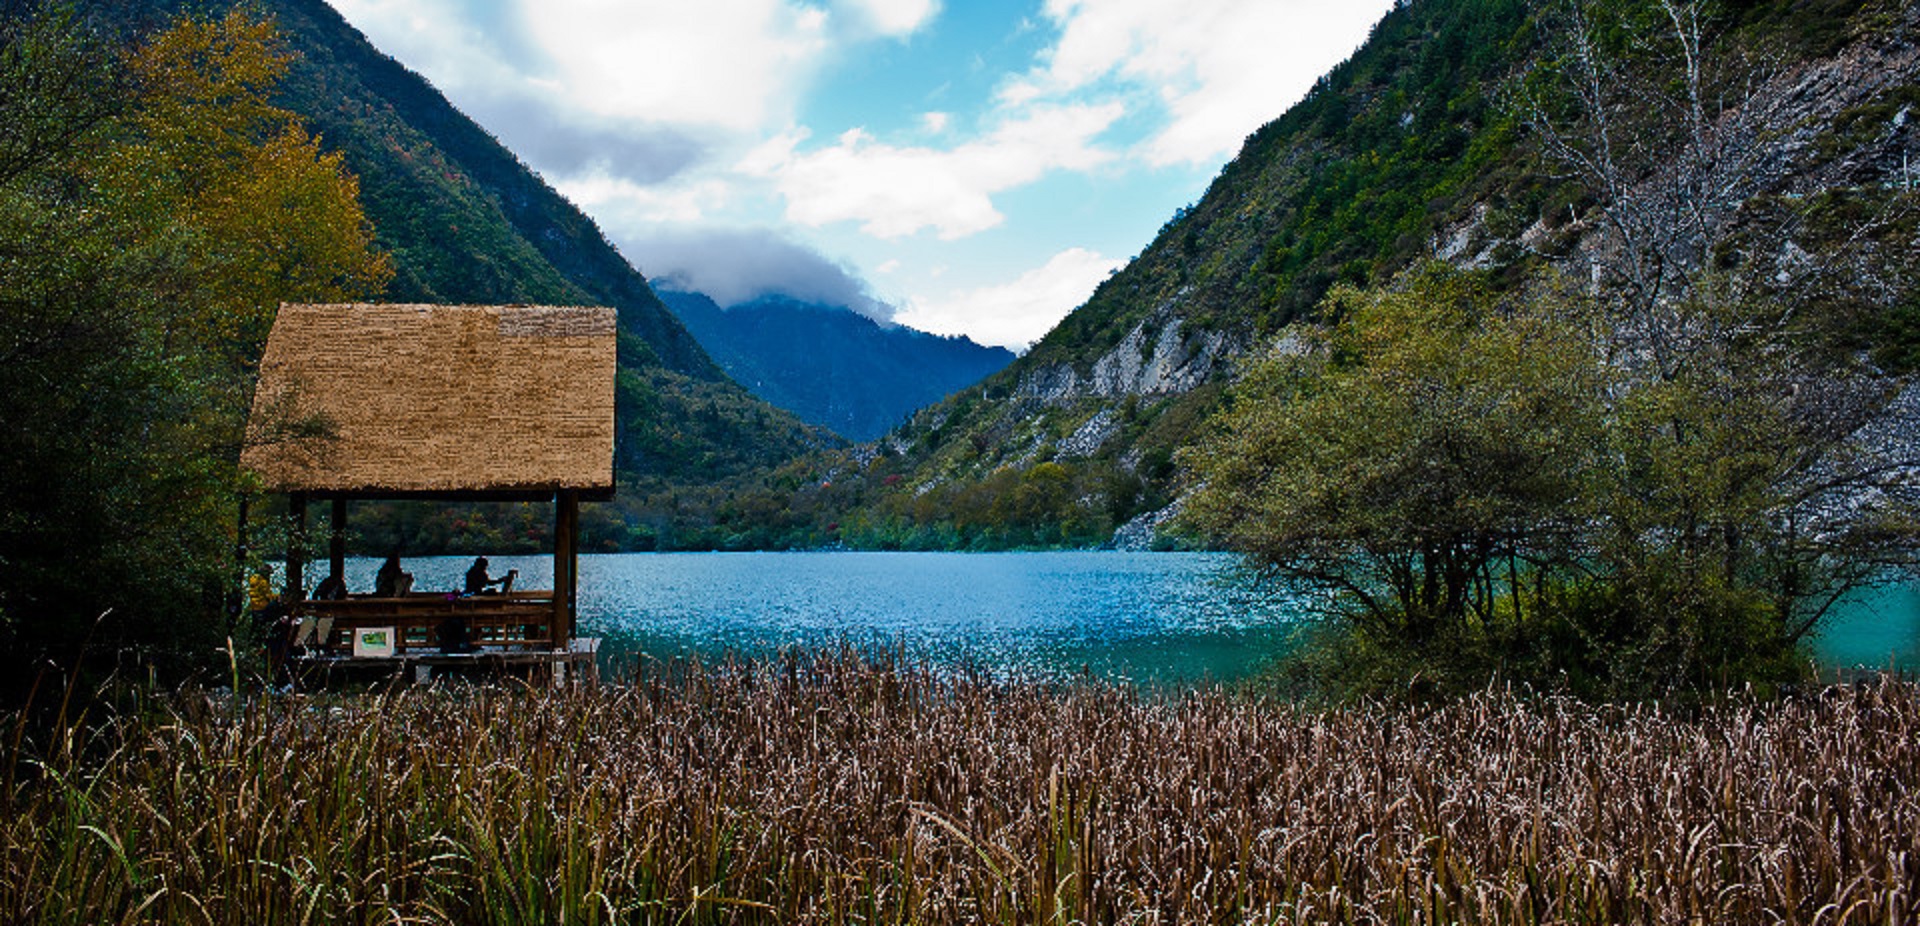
{"type": "Point", "coordinates": [467, 221]}
{"type": "Point", "coordinates": [1347, 187]}
{"type": "Point", "coordinates": [1896, 339]}
{"type": "Point", "coordinates": [464, 221]}
{"type": "Point", "coordinates": [1695, 477]}
{"type": "Point", "coordinates": [1415, 146]}
{"type": "Point", "coordinates": [1430, 445]}
{"type": "Point", "coordinates": [161, 209]}
{"type": "Point", "coordinates": [1485, 487]}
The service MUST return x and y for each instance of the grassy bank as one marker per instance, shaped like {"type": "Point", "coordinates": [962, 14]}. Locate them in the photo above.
{"type": "Point", "coordinates": [839, 788]}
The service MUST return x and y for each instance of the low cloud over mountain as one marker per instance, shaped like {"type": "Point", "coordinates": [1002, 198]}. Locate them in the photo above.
{"type": "Point", "coordinates": [737, 266]}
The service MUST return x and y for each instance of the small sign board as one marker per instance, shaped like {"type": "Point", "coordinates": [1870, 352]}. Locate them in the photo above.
{"type": "Point", "coordinates": [373, 641]}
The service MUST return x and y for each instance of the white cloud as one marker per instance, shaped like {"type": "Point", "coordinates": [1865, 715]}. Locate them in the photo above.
{"type": "Point", "coordinates": [640, 111]}
{"type": "Point", "coordinates": [896, 17]}
{"type": "Point", "coordinates": [1221, 67]}
{"type": "Point", "coordinates": [1017, 313]}
{"type": "Point", "coordinates": [736, 64]}
{"type": "Point", "coordinates": [737, 265]}
{"type": "Point", "coordinates": [442, 39]}
{"type": "Point", "coordinates": [620, 201]}
{"type": "Point", "coordinates": [1019, 92]}
{"type": "Point", "coordinates": [896, 191]}
{"type": "Point", "coordinates": [732, 65]}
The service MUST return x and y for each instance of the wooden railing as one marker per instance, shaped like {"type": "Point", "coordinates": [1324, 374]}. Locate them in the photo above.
{"type": "Point", "coordinates": [516, 621]}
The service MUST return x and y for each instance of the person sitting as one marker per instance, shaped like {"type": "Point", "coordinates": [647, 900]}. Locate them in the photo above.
{"type": "Point", "coordinates": [479, 583]}
{"type": "Point", "coordinates": [331, 588]}
{"type": "Point", "coordinates": [391, 582]}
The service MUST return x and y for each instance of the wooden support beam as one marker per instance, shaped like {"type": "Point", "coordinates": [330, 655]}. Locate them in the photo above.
{"type": "Point", "coordinates": [572, 503]}
{"type": "Point", "coordinates": [337, 541]}
{"type": "Point", "coordinates": [237, 593]}
{"type": "Point", "coordinates": [296, 589]}
{"type": "Point", "coordinates": [566, 525]}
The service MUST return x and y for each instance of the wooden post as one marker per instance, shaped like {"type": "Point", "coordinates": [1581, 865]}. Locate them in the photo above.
{"type": "Point", "coordinates": [237, 594]}
{"type": "Point", "coordinates": [566, 524]}
{"type": "Point", "coordinates": [296, 589]}
{"type": "Point", "coordinates": [337, 542]}
{"type": "Point", "coordinates": [572, 503]}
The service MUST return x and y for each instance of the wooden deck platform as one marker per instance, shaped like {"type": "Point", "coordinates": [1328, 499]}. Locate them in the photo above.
{"type": "Point", "coordinates": [579, 662]}
{"type": "Point", "coordinates": [510, 633]}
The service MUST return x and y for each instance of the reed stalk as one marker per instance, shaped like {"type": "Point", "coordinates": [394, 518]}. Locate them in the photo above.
{"type": "Point", "coordinates": [841, 787]}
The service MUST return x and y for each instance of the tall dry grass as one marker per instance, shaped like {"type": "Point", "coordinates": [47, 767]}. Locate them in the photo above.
{"type": "Point", "coordinates": [842, 788]}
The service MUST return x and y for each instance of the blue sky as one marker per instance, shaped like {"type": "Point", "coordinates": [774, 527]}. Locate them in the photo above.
{"type": "Point", "coordinates": [962, 167]}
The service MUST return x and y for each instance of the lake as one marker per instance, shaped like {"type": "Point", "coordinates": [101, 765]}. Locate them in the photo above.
{"type": "Point", "coordinates": [1147, 617]}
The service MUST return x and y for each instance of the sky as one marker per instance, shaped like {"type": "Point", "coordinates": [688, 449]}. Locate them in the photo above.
{"type": "Point", "coordinates": [969, 167]}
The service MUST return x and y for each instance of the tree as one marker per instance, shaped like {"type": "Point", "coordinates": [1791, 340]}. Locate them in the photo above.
{"type": "Point", "coordinates": [1425, 457]}
{"type": "Point", "coordinates": [1686, 139]}
{"type": "Point", "coordinates": [1483, 487]}
{"type": "Point", "coordinates": [1730, 275]}
{"type": "Point", "coordinates": [154, 210]}
{"type": "Point", "coordinates": [1742, 464]}
{"type": "Point", "coordinates": [1667, 139]}
{"type": "Point", "coordinates": [1746, 492]}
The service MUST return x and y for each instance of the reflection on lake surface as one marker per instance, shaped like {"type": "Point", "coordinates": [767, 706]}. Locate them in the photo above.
{"type": "Point", "coordinates": [1152, 617]}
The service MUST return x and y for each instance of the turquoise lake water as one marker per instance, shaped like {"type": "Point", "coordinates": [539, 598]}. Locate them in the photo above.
{"type": "Point", "coordinates": [1150, 617]}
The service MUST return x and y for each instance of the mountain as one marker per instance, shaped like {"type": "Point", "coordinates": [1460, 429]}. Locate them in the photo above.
{"type": "Point", "coordinates": [467, 222]}
{"type": "Point", "coordinates": [831, 366]}
{"type": "Point", "coordinates": [1412, 149]}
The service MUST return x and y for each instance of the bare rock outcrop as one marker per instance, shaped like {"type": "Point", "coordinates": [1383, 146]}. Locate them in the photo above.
{"type": "Point", "coordinates": [1162, 355]}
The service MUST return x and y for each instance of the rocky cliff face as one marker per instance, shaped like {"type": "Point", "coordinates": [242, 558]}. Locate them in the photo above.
{"type": "Point", "coordinates": [1163, 355]}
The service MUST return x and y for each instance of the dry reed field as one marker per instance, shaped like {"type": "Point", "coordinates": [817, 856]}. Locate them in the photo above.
{"type": "Point", "coordinates": [844, 788]}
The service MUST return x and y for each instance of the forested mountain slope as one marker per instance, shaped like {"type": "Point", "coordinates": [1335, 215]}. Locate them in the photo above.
{"type": "Point", "coordinates": [831, 365]}
{"type": "Point", "coordinates": [466, 222]}
{"type": "Point", "coordinates": [1417, 147]}
{"type": "Point", "coordinates": [465, 219]}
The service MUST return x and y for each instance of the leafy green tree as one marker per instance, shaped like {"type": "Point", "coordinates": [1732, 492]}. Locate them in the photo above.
{"type": "Point", "coordinates": [1484, 487]}
{"type": "Point", "coordinates": [153, 211]}
{"type": "Point", "coordinates": [1425, 458]}
{"type": "Point", "coordinates": [1745, 491]}
{"type": "Point", "coordinates": [1723, 462]}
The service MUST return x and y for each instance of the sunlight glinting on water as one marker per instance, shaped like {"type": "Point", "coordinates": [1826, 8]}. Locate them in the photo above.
{"type": "Point", "coordinates": [1148, 617]}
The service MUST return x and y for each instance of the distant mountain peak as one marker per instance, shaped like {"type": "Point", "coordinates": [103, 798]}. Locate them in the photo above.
{"type": "Point", "coordinates": [829, 364]}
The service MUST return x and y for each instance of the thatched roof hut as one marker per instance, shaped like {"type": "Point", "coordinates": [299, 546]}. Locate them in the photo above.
{"type": "Point", "coordinates": [420, 400]}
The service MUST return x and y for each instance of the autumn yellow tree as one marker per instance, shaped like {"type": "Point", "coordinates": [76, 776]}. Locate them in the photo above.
{"type": "Point", "coordinates": [209, 154]}
{"type": "Point", "coordinates": [155, 208]}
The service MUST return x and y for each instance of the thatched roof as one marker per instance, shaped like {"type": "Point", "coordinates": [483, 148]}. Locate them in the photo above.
{"type": "Point", "coordinates": [416, 399]}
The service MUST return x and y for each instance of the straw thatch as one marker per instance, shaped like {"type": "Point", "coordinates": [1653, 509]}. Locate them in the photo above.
{"type": "Point", "coordinates": [403, 399]}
